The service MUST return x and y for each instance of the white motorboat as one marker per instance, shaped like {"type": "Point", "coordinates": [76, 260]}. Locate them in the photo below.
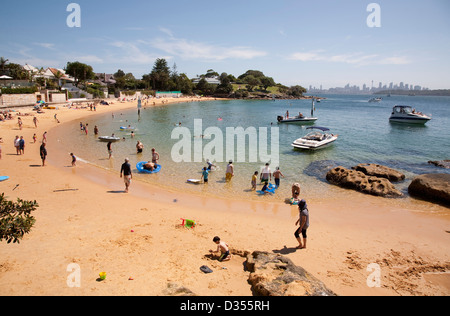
{"type": "Point", "coordinates": [406, 114]}
{"type": "Point", "coordinates": [317, 139]}
{"type": "Point", "coordinates": [300, 118]}
{"type": "Point", "coordinates": [376, 100]}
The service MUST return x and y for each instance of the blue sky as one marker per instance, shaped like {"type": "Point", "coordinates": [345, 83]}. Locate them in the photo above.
{"type": "Point", "coordinates": [323, 42]}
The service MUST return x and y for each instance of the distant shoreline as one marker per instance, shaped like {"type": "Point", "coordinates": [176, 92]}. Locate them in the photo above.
{"type": "Point", "coordinates": [436, 93]}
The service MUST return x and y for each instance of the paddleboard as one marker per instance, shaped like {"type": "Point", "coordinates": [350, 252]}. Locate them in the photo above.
{"type": "Point", "coordinates": [4, 178]}
{"type": "Point", "coordinates": [196, 181]}
{"type": "Point", "coordinates": [140, 168]}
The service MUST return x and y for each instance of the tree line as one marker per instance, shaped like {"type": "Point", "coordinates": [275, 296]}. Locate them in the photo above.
{"type": "Point", "coordinates": [165, 78]}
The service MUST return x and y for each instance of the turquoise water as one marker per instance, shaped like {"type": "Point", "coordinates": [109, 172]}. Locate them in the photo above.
{"type": "Point", "coordinates": [365, 136]}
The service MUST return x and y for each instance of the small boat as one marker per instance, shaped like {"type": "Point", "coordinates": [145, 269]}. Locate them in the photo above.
{"type": "Point", "coordinates": [406, 114]}
{"type": "Point", "coordinates": [317, 139]}
{"type": "Point", "coordinates": [300, 119]}
{"type": "Point", "coordinates": [109, 139]}
{"type": "Point", "coordinates": [376, 100]}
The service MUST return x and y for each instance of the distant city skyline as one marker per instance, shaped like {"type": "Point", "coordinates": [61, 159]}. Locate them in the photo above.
{"type": "Point", "coordinates": [296, 42]}
{"type": "Point", "coordinates": [365, 88]}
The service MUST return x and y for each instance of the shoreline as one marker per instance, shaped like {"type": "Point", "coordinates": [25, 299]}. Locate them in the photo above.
{"type": "Point", "coordinates": [341, 243]}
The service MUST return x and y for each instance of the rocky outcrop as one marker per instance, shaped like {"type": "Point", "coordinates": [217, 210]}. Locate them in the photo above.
{"type": "Point", "coordinates": [431, 187]}
{"type": "Point", "coordinates": [275, 275]}
{"type": "Point", "coordinates": [380, 172]}
{"type": "Point", "coordinates": [361, 182]}
{"type": "Point", "coordinates": [442, 163]}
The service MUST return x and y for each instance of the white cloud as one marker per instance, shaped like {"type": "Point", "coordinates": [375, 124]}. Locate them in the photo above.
{"type": "Point", "coordinates": [45, 45]}
{"type": "Point", "coordinates": [166, 31]}
{"type": "Point", "coordinates": [196, 50]}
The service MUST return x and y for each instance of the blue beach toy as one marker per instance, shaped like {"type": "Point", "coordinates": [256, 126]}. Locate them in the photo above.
{"type": "Point", "coordinates": [140, 168]}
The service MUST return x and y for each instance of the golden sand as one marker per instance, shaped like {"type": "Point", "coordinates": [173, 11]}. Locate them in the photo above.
{"type": "Point", "coordinates": [136, 238]}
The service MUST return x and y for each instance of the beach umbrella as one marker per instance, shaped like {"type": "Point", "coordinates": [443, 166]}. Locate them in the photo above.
{"type": "Point", "coordinates": [5, 77]}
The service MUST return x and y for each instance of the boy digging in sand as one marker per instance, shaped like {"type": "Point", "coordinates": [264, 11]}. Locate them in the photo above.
{"type": "Point", "coordinates": [222, 247]}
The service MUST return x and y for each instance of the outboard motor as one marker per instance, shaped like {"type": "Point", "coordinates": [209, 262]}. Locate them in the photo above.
{"type": "Point", "coordinates": [280, 118]}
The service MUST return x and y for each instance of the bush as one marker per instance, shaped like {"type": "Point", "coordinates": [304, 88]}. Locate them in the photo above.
{"type": "Point", "coordinates": [15, 219]}
{"type": "Point", "coordinates": [21, 90]}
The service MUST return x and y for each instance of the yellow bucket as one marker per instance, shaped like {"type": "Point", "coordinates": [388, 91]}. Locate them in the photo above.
{"type": "Point", "coordinates": [102, 275]}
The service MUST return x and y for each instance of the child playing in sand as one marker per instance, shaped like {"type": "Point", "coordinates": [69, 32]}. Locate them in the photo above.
{"type": "Point", "coordinates": [74, 160]}
{"type": "Point", "coordinates": [222, 247]}
{"type": "Point", "coordinates": [254, 179]}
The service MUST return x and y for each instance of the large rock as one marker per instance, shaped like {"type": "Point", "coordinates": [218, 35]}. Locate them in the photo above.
{"type": "Point", "coordinates": [442, 163]}
{"type": "Point", "coordinates": [275, 275]}
{"type": "Point", "coordinates": [431, 187]}
{"type": "Point", "coordinates": [357, 180]}
{"type": "Point", "coordinates": [380, 171]}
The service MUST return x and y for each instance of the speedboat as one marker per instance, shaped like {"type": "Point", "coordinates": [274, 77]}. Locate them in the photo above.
{"type": "Point", "coordinates": [296, 119]}
{"type": "Point", "coordinates": [318, 138]}
{"type": "Point", "coordinates": [406, 114]}
{"type": "Point", "coordinates": [300, 119]}
{"type": "Point", "coordinates": [375, 100]}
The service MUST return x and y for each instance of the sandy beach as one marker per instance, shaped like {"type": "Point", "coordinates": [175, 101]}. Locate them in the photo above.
{"type": "Point", "coordinates": [136, 238]}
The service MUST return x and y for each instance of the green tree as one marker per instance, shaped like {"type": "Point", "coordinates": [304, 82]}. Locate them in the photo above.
{"type": "Point", "coordinates": [81, 72]}
{"type": "Point", "coordinates": [15, 219]}
{"type": "Point", "coordinates": [267, 82]}
{"type": "Point", "coordinates": [296, 91]}
{"type": "Point", "coordinates": [252, 82]}
{"type": "Point", "coordinates": [3, 63]}
{"type": "Point", "coordinates": [160, 75]}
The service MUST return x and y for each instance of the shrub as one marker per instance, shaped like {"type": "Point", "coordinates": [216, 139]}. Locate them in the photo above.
{"type": "Point", "coordinates": [15, 219]}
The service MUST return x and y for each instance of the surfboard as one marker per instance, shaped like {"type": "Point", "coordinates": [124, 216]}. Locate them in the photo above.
{"type": "Point", "coordinates": [140, 168]}
{"type": "Point", "coordinates": [195, 181]}
{"type": "Point", "coordinates": [3, 178]}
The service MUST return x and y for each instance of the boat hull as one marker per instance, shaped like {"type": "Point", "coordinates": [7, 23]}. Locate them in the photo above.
{"type": "Point", "coordinates": [310, 120]}
{"type": "Point", "coordinates": [310, 145]}
{"type": "Point", "coordinates": [410, 120]}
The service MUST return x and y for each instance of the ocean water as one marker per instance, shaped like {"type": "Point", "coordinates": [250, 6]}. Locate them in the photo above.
{"type": "Point", "coordinates": [365, 136]}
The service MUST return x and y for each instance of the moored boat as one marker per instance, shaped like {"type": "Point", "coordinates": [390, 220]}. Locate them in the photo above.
{"type": "Point", "coordinates": [317, 139]}
{"type": "Point", "coordinates": [406, 114]}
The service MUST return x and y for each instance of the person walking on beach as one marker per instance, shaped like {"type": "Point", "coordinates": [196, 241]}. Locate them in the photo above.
{"type": "Point", "coordinates": [230, 171]}
{"type": "Point", "coordinates": [21, 145]}
{"type": "Point", "coordinates": [276, 175]}
{"type": "Point", "coordinates": [43, 153]}
{"type": "Point", "coordinates": [266, 174]}
{"type": "Point", "coordinates": [74, 160]}
{"type": "Point", "coordinates": [303, 221]}
{"type": "Point", "coordinates": [16, 144]}
{"type": "Point", "coordinates": [35, 120]}
{"type": "Point", "coordinates": [222, 248]}
{"type": "Point", "coordinates": [127, 174]}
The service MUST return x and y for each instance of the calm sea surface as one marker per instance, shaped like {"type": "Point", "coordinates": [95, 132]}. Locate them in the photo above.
{"type": "Point", "coordinates": [365, 136]}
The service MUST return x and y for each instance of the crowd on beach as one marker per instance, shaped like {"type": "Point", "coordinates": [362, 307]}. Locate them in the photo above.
{"type": "Point", "coordinates": [265, 176]}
